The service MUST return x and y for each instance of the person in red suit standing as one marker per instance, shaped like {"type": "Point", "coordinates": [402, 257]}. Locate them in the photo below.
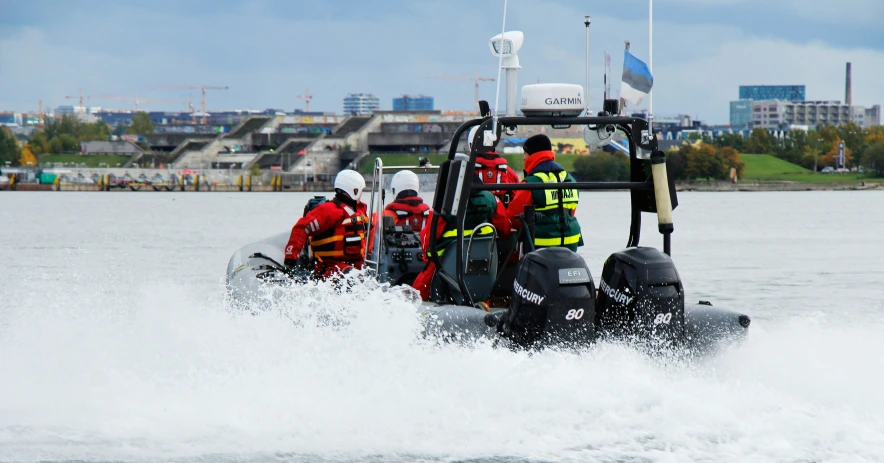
{"type": "Point", "coordinates": [334, 230]}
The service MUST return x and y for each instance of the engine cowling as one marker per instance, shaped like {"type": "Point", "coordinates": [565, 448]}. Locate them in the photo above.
{"type": "Point", "coordinates": [553, 300]}
{"type": "Point", "coordinates": [641, 296]}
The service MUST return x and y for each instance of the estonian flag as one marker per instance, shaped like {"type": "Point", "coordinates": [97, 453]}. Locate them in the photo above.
{"type": "Point", "coordinates": [637, 80]}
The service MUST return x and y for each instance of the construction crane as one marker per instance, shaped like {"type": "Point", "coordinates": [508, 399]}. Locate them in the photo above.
{"type": "Point", "coordinates": [138, 101]}
{"type": "Point", "coordinates": [80, 92]}
{"type": "Point", "coordinates": [306, 97]}
{"type": "Point", "coordinates": [202, 88]}
{"type": "Point", "coordinates": [476, 80]}
{"type": "Point", "coordinates": [135, 99]}
{"type": "Point", "coordinates": [83, 98]}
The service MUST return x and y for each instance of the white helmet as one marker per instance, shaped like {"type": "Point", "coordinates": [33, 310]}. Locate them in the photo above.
{"type": "Point", "coordinates": [405, 180]}
{"type": "Point", "coordinates": [350, 182]}
{"type": "Point", "coordinates": [470, 138]}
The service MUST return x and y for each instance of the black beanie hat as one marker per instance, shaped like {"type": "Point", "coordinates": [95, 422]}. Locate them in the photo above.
{"type": "Point", "coordinates": [539, 142]}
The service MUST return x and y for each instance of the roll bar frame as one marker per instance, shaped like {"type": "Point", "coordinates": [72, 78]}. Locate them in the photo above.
{"type": "Point", "coordinates": [635, 129]}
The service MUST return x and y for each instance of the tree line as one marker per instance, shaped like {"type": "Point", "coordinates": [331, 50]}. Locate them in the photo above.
{"type": "Point", "coordinates": [713, 159]}
{"type": "Point", "coordinates": [686, 162]}
{"type": "Point", "coordinates": [63, 135]}
{"type": "Point", "coordinates": [817, 148]}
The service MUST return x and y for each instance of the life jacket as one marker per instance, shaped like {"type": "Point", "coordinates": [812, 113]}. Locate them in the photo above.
{"type": "Point", "coordinates": [555, 224]}
{"type": "Point", "coordinates": [480, 208]}
{"type": "Point", "coordinates": [492, 168]}
{"type": "Point", "coordinates": [346, 240]}
{"type": "Point", "coordinates": [411, 211]}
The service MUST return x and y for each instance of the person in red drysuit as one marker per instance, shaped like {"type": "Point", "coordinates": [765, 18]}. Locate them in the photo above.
{"type": "Point", "coordinates": [334, 230]}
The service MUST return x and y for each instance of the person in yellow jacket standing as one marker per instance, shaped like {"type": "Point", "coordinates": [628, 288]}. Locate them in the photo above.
{"type": "Point", "coordinates": [555, 223]}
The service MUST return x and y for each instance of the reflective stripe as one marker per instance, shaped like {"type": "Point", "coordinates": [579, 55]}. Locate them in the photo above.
{"type": "Point", "coordinates": [557, 241]}
{"type": "Point", "coordinates": [486, 230]}
{"type": "Point", "coordinates": [312, 227]}
{"type": "Point", "coordinates": [357, 220]}
{"type": "Point", "coordinates": [566, 205]}
{"type": "Point", "coordinates": [332, 239]}
{"type": "Point", "coordinates": [551, 197]}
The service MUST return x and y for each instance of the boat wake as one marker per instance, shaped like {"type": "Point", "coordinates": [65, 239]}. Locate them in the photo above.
{"type": "Point", "coordinates": [162, 372]}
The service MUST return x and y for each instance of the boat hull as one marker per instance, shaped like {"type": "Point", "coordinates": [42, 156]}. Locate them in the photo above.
{"type": "Point", "coordinates": [254, 269]}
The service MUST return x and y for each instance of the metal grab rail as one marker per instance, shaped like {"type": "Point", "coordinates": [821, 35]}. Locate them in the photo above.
{"type": "Point", "coordinates": [585, 186]}
{"type": "Point", "coordinates": [376, 233]}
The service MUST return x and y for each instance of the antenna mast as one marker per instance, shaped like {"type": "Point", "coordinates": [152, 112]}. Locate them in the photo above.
{"type": "Point", "coordinates": [651, 66]}
{"type": "Point", "coordinates": [499, 69]}
{"type": "Point", "coordinates": [586, 22]}
{"type": "Point", "coordinates": [607, 71]}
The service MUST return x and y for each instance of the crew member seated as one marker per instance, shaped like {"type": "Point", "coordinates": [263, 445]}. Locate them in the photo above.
{"type": "Point", "coordinates": [492, 168]}
{"type": "Point", "coordinates": [335, 230]}
{"type": "Point", "coordinates": [482, 207]}
{"type": "Point", "coordinates": [555, 223]}
{"type": "Point", "coordinates": [408, 208]}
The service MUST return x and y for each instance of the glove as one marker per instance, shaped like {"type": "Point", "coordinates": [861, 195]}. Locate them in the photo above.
{"type": "Point", "coordinates": [298, 270]}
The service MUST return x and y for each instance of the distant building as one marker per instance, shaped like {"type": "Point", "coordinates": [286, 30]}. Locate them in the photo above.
{"type": "Point", "coordinates": [858, 115]}
{"type": "Point", "coordinates": [873, 116]}
{"type": "Point", "coordinates": [741, 113]}
{"type": "Point", "coordinates": [778, 114]}
{"type": "Point", "coordinates": [361, 104]}
{"type": "Point", "coordinates": [125, 148]}
{"type": "Point", "coordinates": [413, 103]}
{"type": "Point", "coordinates": [115, 118]}
{"type": "Point", "coordinates": [62, 110]}
{"type": "Point", "coordinates": [772, 92]}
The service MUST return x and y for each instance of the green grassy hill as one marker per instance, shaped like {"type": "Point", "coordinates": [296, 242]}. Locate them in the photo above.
{"type": "Point", "coordinates": [516, 161]}
{"type": "Point", "coordinates": [764, 167]}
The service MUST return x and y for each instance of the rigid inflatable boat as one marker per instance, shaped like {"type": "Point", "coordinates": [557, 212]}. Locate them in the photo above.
{"type": "Point", "coordinates": [540, 297]}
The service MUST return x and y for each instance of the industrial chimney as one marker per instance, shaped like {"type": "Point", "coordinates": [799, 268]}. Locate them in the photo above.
{"type": "Point", "coordinates": [847, 93]}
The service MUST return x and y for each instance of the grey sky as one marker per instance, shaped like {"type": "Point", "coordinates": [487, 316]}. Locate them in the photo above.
{"type": "Point", "coordinates": [269, 51]}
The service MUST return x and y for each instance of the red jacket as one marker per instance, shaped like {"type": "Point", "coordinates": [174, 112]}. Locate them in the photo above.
{"type": "Point", "coordinates": [524, 198]}
{"type": "Point", "coordinates": [492, 168]}
{"type": "Point", "coordinates": [337, 233]}
{"type": "Point", "coordinates": [410, 210]}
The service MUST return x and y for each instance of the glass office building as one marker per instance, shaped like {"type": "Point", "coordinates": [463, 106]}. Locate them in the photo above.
{"type": "Point", "coordinates": [413, 103]}
{"type": "Point", "coordinates": [772, 92]}
{"type": "Point", "coordinates": [361, 104]}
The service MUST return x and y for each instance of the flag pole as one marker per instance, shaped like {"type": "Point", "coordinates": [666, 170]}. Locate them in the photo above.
{"type": "Point", "coordinates": [651, 65]}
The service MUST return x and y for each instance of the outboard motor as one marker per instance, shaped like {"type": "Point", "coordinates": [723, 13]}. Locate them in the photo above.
{"type": "Point", "coordinates": [553, 300]}
{"type": "Point", "coordinates": [641, 296]}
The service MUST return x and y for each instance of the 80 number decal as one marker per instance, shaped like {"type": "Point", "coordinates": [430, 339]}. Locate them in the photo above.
{"type": "Point", "coordinates": [663, 319]}
{"type": "Point", "coordinates": [574, 314]}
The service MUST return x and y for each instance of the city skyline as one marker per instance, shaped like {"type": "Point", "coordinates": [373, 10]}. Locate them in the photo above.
{"type": "Point", "coordinates": [268, 52]}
